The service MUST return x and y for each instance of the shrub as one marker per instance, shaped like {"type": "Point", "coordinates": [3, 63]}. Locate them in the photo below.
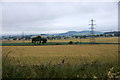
{"type": "Point", "coordinates": [70, 42]}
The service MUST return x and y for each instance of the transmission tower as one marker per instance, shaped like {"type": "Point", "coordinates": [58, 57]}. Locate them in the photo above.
{"type": "Point", "coordinates": [92, 32]}
{"type": "Point", "coordinates": [23, 36]}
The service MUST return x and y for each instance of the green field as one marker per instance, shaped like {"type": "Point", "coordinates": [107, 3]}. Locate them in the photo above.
{"type": "Point", "coordinates": [49, 43]}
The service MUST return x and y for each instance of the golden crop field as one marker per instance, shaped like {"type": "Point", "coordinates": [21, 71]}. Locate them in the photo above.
{"type": "Point", "coordinates": [72, 54]}
{"type": "Point", "coordinates": [99, 40]}
{"type": "Point", "coordinates": [59, 61]}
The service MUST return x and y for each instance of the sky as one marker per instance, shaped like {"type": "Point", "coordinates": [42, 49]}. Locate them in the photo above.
{"type": "Point", "coordinates": [57, 17]}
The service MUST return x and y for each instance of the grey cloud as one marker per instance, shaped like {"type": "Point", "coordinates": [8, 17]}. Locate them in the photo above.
{"type": "Point", "coordinates": [53, 17]}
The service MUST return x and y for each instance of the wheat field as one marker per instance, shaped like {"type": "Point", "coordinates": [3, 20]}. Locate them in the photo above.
{"type": "Point", "coordinates": [61, 61]}
{"type": "Point", "coordinates": [73, 54]}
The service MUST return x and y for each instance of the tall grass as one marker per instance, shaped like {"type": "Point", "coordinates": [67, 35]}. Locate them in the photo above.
{"type": "Point", "coordinates": [94, 69]}
{"type": "Point", "coordinates": [86, 70]}
{"type": "Point", "coordinates": [83, 66]}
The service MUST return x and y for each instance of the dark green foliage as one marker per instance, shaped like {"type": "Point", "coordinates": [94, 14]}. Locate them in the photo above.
{"type": "Point", "coordinates": [70, 42]}
{"type": "Point", "coordinates": [38, 40]}
{"type": "Point", "coordinates": [95, 69]}
{"type": "Point", "coordinates": [44, 41]}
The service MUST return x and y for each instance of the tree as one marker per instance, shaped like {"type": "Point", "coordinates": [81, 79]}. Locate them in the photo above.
{"type": "Point", "coordinates": [44, 41]}
{"type": "Point", "coordinates": [70, 42]}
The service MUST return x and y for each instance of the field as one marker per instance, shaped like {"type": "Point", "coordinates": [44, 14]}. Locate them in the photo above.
{"type": "Point", "coordinates": [102, 40]}
{"type": "Point", "coordinates": [98, 40]}
{"type": "Point", "coordinates": [61, 61]}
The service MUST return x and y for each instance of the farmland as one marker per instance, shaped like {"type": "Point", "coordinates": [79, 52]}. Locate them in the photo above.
{"type": "Point", "coordinates": [60, 40]}
{"type": "Point", "coordinates": [61, 61]}
{"type": "Point", "coordinates": [102, 40]}
{"type": "Point", "coordinates": [98, 40]}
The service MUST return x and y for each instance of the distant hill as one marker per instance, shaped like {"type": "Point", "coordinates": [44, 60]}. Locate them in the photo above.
{"type": "Point", "coordinates": [76, 33]}
{"type": "Point", "coordinates": [114, 32]}
{"type": "Point", "coordinates": [69, 33]}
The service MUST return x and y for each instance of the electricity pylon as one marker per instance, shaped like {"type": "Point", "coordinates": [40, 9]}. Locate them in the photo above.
{"type": "Point", "coordinates": [92, 32]}
{"type": "Point", "coordinates": [23, 36]}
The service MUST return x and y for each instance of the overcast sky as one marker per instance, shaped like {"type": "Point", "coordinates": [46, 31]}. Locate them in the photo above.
{"type": "Point", "coordinates": [52, 17]}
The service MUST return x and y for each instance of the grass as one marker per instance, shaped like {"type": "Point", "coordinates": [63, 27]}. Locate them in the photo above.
{"type": "Point", "coordinates": [61, 61]}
